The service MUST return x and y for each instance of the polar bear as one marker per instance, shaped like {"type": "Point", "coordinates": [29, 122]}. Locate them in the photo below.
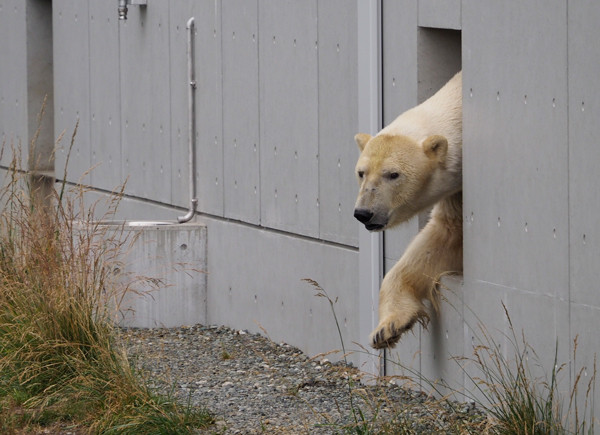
{"type": "Point", "coordinates": [413, 163]}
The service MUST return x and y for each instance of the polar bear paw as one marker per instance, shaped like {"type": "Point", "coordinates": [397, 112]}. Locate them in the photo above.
{"type": "Point", "coordinates": [389, 331]}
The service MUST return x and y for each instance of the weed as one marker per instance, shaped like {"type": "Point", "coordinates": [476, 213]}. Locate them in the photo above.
{"type": "Point", "coordinates": [517, 400]}
{"type": "Point", "coordinates": [226, 355]}
{"type": "Point", "coordinates": [362, 424]}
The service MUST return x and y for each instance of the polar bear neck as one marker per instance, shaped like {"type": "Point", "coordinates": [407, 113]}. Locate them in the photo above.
{"type": "Point", "coordinates": [440, 114]}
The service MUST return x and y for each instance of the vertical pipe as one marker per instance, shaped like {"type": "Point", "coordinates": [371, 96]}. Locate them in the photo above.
{"type": "Point", "coordinates": [191, 123]}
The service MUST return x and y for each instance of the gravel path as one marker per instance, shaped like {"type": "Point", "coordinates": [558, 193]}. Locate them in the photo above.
{"type": "Point", "coordinates": [252, 385]}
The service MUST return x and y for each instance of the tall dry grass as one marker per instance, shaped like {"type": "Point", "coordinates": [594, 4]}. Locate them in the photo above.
{"type": "Point", "coordinates": [521, 400]}
{"type": "Point", "coordinates": [60, 356]}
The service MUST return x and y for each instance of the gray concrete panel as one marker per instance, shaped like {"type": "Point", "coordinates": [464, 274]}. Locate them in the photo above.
{"type": "Point", "coordinates": [515, 154]}
{"type": "Point", "coordinates": [289, 125]}
{"type": "Point", "coordinates": [399, 57]}
{"type": "Point", "coordinates": [583, 361]}
{"type": "Point", "coordinates": [443, 341]}
{"type": "Point", "coordinates": [174, 256]}
{"type": "Point", "coordinates": [266, 293]}
{"type": "Point", "coordinates": [541, 321]}
{"type": "Point", "coordinates": [105, 108]}
{"type": "Point", "coordinates": [72, 87]}
{"type": "Point", "coordinates": [584, 154]}
{"type": "Point", "coordinates": [145, 108]}
{"type": "Point", "coordinates": [338, 120]}
{"type": "Point", "coordinates": [444, 14]}
{"type": "Point", "coordinates": [484, 319]}
{"type": "Point", "coordinates": [438, 59]}
{"type": "Point", "coordinates": [13, 76]}
{"type": "Point", "coordinates": [241, 139]}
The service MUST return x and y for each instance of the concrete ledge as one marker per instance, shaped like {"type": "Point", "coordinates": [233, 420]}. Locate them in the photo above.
{"type": "Point", "coordinates": [171, 259]}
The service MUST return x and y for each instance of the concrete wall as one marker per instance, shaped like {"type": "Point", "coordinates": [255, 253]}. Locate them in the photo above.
{"type": "Point", "coordinates": [274, 148]}
{"type": "Point", "coordinates": [276, 113]}
{"type": "Point", "coordinates": [530, 99]}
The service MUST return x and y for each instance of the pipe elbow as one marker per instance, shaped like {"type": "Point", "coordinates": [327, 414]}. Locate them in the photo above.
{"type": "Point", "coordinates": [190, 214]}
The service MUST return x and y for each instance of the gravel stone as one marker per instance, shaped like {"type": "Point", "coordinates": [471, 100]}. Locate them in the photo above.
{"type": "Point", "coordinates": [252, 385]}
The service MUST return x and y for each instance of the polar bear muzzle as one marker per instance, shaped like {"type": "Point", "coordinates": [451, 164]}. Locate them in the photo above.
{"type": "Point", "coordinates": [365, 216]}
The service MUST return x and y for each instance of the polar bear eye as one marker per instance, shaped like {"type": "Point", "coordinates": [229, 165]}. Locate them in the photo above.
{"type": "Point", "coordinates": [393, 175]}
{"type": "Point", "coordinates": [361, 174]}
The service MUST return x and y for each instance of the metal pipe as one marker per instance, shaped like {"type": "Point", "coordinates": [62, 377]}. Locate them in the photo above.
{"type": "Point", "coordinates": [191, 123]}
{"type": "Point", "coordinates": [122, 9]}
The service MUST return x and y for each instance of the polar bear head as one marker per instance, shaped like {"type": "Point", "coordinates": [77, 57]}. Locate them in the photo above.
{"type": "Point", "coordinates": [398, 177]}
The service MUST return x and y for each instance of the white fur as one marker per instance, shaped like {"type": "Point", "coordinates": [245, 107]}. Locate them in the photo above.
{"type": "Point", "coordinates": [440, 114]}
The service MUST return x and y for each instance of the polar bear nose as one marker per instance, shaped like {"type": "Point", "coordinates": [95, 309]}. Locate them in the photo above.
{"type": "Point", "coordinates": [363, 215]}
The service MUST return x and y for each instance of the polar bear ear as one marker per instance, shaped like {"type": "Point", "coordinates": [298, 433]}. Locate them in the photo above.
{"type": "Point", "coordinates": [361, 140]}
{"type": "Point", "coordinates": [436, 148]}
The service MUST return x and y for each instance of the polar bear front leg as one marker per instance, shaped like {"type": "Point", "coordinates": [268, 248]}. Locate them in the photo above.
{"type": "Point", "coordinates": [435, 250]}
{"type": "Point", "coordinates": [400, 306]}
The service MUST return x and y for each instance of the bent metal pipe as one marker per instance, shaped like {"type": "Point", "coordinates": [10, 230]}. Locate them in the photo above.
{"type": "Point", "coordinates": [191, 124]}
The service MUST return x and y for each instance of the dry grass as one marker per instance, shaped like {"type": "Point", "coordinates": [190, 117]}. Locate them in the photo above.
{"type": "Point", "coordinates": [60, 361]}
{"type": "Point", "coordinates": [513, 400]}
{"type": "Point", "coordinates": [518, 399]}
